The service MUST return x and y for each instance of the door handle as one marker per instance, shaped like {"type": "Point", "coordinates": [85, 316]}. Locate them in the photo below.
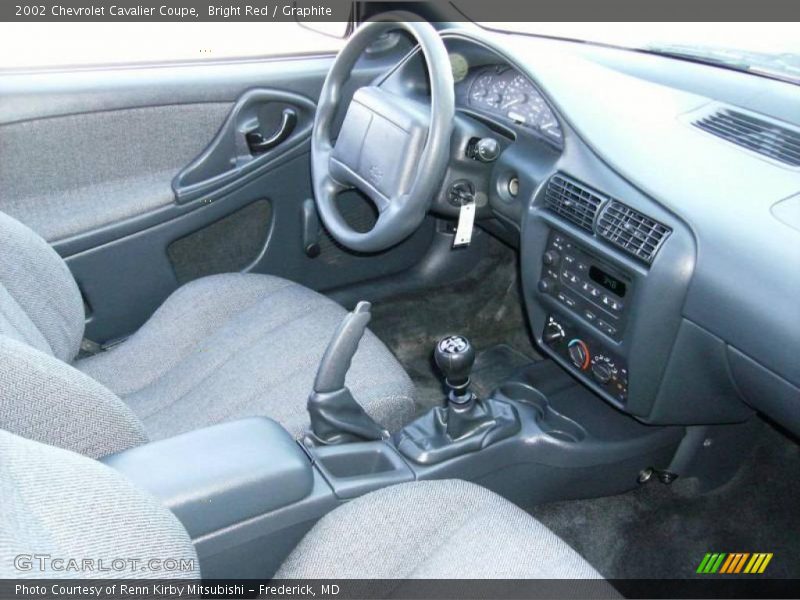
{"type": "Point", "coordinates": [259, 144]}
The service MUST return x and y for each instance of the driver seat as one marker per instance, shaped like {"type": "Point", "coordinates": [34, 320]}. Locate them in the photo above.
{"type": "Point", "coordinates": [220, 348]}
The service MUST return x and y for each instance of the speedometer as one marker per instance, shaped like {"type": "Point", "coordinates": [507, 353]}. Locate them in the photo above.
{"type": "Point", "coordinates": [487, 91]}
{"type": "Point", "coordinates": [517, 97]}
{"type": "Point", "coordinates": [509, 94]}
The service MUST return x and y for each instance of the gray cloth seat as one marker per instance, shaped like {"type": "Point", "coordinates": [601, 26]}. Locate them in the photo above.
{"type": "Point", "coordinates": [59, 503]}
{"type": "Point", "coordinates": [240, 345]}
{"type": "Point", "coordinates": [65, 506]}
{"type": "Point", "coordinates": [219, 348]}
{"type": "Point", "coordinates": [446, 529]}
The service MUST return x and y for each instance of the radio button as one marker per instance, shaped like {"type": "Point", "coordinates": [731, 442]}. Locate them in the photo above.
{"type": "Point", "coordinates": [590, 289]}
{"type": "Point", "coordinates": [547, 285]}
{"type": "Point", "coordinates": [566, 299]}
{"type": "Point", "coordinates": [569, 276]}
{"type": "Point", "coordinates": [550, 257]}
{"type": "Point", "coordinates": [614, 305]}
{"type": "Point", "coordinates": [606, 328]}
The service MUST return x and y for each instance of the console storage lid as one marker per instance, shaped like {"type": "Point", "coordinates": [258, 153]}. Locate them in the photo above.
{"type": "Point", "coordinates": [217, 476]}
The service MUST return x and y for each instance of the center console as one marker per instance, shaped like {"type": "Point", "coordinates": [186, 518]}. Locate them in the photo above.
{"type": "Point", "coordinates": [247, 492]}
{"type": "Point", "coordinates": [591, 292]}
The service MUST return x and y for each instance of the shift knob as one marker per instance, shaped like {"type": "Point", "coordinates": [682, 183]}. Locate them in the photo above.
{"type": "Point", "coordinates": [454, 355]}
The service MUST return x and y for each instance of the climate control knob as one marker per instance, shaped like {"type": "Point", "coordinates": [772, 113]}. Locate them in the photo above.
{"type": "Point", "coordinates": [553, 333]}
{"type": "Point", "coordinates": [603, 368]}
{"type": "Point", "coordinates": [579, 354]}
{"type": "Point", "coordinates": [601, 372]}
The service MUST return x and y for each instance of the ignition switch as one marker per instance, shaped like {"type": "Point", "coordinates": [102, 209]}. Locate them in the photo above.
{"type": "Point", "coordinates": [461, 192]}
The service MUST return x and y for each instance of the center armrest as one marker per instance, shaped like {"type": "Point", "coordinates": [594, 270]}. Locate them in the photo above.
{"type": "Point", "coordinates": [220, 475]}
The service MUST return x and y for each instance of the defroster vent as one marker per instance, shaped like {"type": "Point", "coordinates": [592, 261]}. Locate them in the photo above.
{"type": "Point", "coordinates": [631, 230]}
{"type": "Point", "coordinates": [572, 200]}
{"type": "Point", "coordinates": [767, 138]}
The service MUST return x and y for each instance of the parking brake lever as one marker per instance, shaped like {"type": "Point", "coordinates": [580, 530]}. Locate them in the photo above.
{"type": "Point", "coordinates": [336, 417]}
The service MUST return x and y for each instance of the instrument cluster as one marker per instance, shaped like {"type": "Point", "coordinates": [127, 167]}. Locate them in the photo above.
{"type": "Point", "coordinates": [504, 92]}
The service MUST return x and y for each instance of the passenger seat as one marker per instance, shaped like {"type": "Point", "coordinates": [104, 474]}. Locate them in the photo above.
{"type": "Point", "coordinates": [64, 504]}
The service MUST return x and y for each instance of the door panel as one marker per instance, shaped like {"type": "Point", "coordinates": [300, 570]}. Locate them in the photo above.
{"type": "Point", "coordinates": [124, 281]}
{"type": "Point", "coordinates": [137, 198]}
{"type": "Point", "coordinates": [65, 176]}
{"type": "Point", "coordinates": [262, 125]}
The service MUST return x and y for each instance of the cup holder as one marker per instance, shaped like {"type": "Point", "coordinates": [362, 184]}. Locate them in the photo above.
{"type": "Point", "coordinates": [361, 463]}
{"type": "Point", "coordinates": [357, 468]}
{"type": "Point", "coordinates": [550, 421]}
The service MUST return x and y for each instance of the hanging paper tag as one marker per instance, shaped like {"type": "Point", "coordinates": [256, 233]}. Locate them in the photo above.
{"type": "Point", "coordinates": [466, 221]}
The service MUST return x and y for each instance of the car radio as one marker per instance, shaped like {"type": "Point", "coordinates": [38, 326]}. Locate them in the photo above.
{"type": "Point", "coordinates": [595, 292]}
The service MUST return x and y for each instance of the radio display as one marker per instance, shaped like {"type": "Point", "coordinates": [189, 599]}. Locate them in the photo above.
{"type": "Point", "coordinates": [612, 284]}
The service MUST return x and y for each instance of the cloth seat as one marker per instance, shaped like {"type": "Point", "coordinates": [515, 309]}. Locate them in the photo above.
{"type": "Point", "coordinates": [447, 529]}
{"type": "Point", "coordinates": [59, 503]}
{"type": "Point", "coordinates": [219, 348]}
{"type": "Point", "coordinates": [238, 345]}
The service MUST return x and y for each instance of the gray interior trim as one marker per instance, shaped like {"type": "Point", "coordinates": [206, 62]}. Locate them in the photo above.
{"type": "Point", "coordinates": [67, 175]}
{"type": "Point", "coordinates": [249, 467]}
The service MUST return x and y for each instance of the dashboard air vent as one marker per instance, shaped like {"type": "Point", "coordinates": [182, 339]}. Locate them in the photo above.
{"type": "Point", "coordinates": [631, 230]}
{"type": "Point", "coordinates": [572, 200]}
{"type": "Point", "coordinates": [759, 135]}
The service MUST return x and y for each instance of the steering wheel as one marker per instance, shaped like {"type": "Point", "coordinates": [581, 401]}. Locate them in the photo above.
{"type": "Point", "coordinates": [389, 147]}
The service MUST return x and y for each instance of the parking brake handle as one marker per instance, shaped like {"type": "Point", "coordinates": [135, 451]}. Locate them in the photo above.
{"type": "Point", "coordinates": [336, 417]}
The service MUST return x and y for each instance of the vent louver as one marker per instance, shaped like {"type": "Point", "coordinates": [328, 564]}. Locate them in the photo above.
{"type": "Point", "coordinates": [759, 135]}
{"type": "Point", "coordinates": [572, 200]}
{"type": "Point", "coordinates": [631, 230]}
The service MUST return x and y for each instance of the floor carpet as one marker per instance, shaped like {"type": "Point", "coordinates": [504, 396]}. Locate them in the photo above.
{"type": "Point", "coordinates": [656, 531]}
{"type": "Point", "coordinates": [660, 531]}
{"type": "Point", "coordinates": [485, 306]}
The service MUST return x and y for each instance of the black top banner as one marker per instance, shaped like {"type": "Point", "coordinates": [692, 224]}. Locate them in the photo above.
{"type": "Point", "coordinates": [443, 10]}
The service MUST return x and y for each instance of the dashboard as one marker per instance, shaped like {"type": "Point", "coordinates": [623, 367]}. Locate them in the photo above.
{"type": "Point", "coordinates": [610, 176]}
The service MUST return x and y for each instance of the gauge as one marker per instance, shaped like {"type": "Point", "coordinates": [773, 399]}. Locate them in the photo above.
{"type": "Point", "coordinates": [517, 95]}
{"type": "Point", "coordinates": [487, 90]}
{"type": "Point", "coordinates": [459, 66]}
{"type": "Point", "coordinates": [480, 89]}
{"type": "Point", "coordinates": [510, 94]}
{"type": "Point", "coordinates": [496, 93]}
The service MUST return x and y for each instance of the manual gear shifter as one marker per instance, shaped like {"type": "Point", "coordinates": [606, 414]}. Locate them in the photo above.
{"type": "Point", "coordinates": [455, 356]}
{"type": "Point", "coordinates": [467, 423]}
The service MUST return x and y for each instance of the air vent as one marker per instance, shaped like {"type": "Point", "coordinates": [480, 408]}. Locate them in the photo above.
{"type": "Point", "coordinates": [759, 135]}
{"type": "Point", "coordinates": [572, 200]}
{"type": "Point", "coordinates": [631, 230]}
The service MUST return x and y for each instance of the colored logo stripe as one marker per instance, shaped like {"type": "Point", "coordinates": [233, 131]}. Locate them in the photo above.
{"type": "Point", "coordinates": [711, 562]}
{"type": "Point", "coordinates": [735, 562]}
{"type": "Point", "coordinates": [758, 563]}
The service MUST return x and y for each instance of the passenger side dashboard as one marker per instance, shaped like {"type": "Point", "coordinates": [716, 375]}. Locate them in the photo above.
{"type": "Point", "coordinates": [681, 218]}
